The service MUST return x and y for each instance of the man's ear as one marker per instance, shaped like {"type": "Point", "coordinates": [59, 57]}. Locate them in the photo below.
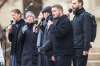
{"type": "Point", "coordinates": [80, 4]}
{"type": "Point", "coordinates": [19, 15]}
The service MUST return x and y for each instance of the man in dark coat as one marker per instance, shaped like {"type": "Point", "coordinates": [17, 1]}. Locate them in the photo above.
{"type": "Point", "coordinates": [46, 57]}
{"type": "Point", "coordinates": [16, 46]}
{"type": "Point", "coordinates": [81, 32]}
{"type": "Point", "coordinates": [60, 36]}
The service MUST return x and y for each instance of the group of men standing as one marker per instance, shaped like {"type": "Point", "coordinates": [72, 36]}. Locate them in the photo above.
{"type": "Point", "coordinates": [54, 40]}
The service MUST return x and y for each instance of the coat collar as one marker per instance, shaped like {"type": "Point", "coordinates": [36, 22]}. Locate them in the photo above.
{"type": "Point", "coordinates": [80, 11]}
{"type": "Point", "coordinates": [20, 21]}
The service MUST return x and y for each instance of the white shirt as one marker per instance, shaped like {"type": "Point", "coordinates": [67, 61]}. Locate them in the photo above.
{"type": "Point", "coordinates": [1, 55]}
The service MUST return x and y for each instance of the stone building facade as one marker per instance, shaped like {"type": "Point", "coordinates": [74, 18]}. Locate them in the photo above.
{"type": "Point", "coordinates": [92, 6]}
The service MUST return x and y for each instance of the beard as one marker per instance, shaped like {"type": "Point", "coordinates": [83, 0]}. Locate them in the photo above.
{"type": "Point", "coordinates": [75, 10]}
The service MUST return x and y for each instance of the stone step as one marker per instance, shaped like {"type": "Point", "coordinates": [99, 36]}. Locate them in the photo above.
{"type": "Point", "coordinates": [93, 63]}
{"type": "Point", "coordinates": [93, 50]}
{"type": "Point", "coordinates": [94, 56]}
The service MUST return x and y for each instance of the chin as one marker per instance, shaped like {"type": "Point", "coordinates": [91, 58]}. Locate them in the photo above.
{"type": "Point", "coordinates": [73, 9]}
{"type": "Point", "coordinates": [54, 17]}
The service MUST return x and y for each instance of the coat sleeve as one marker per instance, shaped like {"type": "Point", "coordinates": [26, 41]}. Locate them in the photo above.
{"type": "Point", "coordinates": [21, 35]}
{"type": "Point", "coordinates": [46, 46]}
{"type": "Point", "coordinates": [86, 32]}
{"type": "Point", "coordinates": [11, 33]}
{"type": "Point", "coordinates": [62, 28]}
{"type": "Point", "coordinates": [10, 37]}
{"type": "Point", "coordinates": [42, 26]}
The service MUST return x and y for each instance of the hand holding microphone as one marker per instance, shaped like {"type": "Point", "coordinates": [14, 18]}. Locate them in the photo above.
{"type": "Point", "coordinates": [9, 27]}
{"type": "Point", "coordinates": [69, 12]}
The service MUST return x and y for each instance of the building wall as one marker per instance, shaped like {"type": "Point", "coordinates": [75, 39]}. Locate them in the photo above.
{"type": "Point", "coordinates": [5, 15]}
{"type": "Point", "coordinates": [92, 6]}
{"type": "Point", "coordinates": [95, 9]}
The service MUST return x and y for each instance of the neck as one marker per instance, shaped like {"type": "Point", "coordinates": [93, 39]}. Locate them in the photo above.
{"type": "Point", "coordinates": [61, 14]}
{"type": "Point", "coordinates": [78, 11]}
{"type": "Point", "coordinates": [80, 7]}
{"type": "Point", "coordinates": [18, 19]}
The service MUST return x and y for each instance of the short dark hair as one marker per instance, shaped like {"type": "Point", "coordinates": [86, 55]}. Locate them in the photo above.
{"type": "Point", "coordinates": [81, 1]}
{"type": "Point", "coordinates": [16, 11]}
{"type": "Point", "coordinates": [58, 7]}
{"type": "Point", "coordinates": [47, 9]}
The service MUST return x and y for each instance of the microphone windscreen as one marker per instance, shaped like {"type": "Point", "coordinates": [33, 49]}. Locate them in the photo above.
{"type": "Point", "coordinates": [11, 21]}
{"type": "Point", "coordinates": [70, 10]}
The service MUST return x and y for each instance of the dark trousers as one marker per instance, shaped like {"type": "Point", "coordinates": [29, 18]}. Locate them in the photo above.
{"type": "Point", "coordinates": [13, 60]}
{"type": "Point", "coordinates": [79, 59]}
{"type": "Point", "coordinates": [63, 60]}
{"type": "Point", "coordinates": [42, 60]}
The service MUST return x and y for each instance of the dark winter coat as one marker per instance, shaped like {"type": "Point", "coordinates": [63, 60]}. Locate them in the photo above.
{"type": "Point", "coordinates": [16, 45]}
{"type": "Point", "coordinates": [82, 30]}
{"type": "Point", "coordinates": [29, 53]}
{"type": "Point", "coordinates": [61, 36]}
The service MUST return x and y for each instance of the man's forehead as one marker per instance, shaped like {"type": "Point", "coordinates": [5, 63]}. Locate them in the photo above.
{"type": "Point", "coordinates": [73, 1]}
{"type": "Point", "coordinates": [54, 8]}
{"type": "Point", "coordinates": [13, 13]}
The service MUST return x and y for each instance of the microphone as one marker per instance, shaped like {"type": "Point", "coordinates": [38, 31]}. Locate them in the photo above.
{"type": "Point", "coordinates": [70, 10]}
{"type": "Point", "coordinates": [11, 22]}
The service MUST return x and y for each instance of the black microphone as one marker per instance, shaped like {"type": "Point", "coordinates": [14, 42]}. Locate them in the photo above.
{"type": "Point", "coordinates": [70, 10]}
{"type": "Point", "coordinates": [11, 22]}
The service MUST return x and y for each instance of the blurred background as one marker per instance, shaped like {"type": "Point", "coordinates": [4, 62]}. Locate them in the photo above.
{"type": "Point", "coordinates": [92, 6]}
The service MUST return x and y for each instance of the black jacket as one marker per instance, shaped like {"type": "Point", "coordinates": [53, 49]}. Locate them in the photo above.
{"type": "Point", "coordinates": [47, 44]}
{"type": "Point", "coordinates": [81, 30]}
{"type": "Point", "coordinates": [13, 36]}
{"type": "Point", "coordinates": [16, 45]}
{"type": "Point", "coordinates": [45, 38]}
{"type": "Point", "coordinates": [61, 37]}
{"type": "Point", "coordinates": [29, 39]}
